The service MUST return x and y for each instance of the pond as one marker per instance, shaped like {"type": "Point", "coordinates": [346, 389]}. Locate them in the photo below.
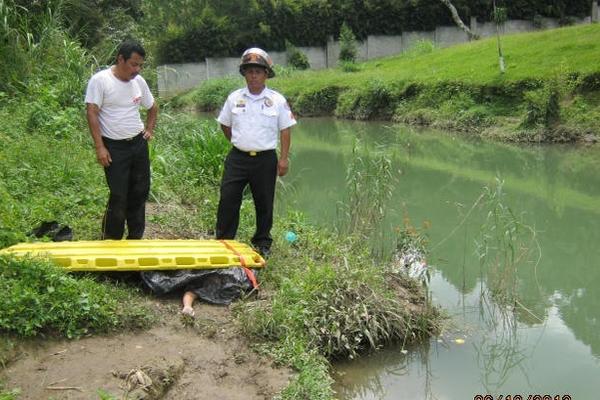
{"type": "Point", "coordinates": [546, 339]}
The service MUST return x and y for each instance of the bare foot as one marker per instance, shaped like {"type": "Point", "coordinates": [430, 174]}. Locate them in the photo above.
{"type": "Point", "coordinates": [188, 311]}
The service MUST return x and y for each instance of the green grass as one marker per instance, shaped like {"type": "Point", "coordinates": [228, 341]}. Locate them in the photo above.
{"type": "Point", "coordinates": [536, 55]}
{"type": "Point", "coordinates": [547, 94]}
{"type": "Point", "coordinates": [37, 298]}
{"type": "Point", "coordinates": [40, 174]}
{"type": "Point", "coordinates": [9, 394]}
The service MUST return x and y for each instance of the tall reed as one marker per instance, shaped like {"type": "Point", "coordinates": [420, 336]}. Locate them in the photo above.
{"type": "Point", "coordinates": [506, 244]}
{"type": "Point", "coordinates": [369, 182]}
{"type": "Point", "coordinates": [14, 41]}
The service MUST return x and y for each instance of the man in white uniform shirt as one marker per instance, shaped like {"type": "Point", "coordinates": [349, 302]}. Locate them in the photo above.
{"type": "Point", "coordinates": [113, 99]}
{"type": "Point", "coordinates": [253, 119]}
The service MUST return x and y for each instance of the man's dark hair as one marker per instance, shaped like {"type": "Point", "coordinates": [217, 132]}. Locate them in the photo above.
{"type": "Point", "coordinates": [128, 47]}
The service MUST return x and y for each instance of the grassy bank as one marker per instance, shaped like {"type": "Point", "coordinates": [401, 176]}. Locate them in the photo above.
{"type": "Point", "coordinates": [324, 296]}
{"type": "Point", "coordinates": [548, 93]}
{"type": "Point", "coordinates": [37, 299]}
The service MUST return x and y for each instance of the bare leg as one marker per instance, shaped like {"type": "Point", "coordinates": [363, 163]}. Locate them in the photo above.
{"type": "Point", "coordinates": [188, 302]}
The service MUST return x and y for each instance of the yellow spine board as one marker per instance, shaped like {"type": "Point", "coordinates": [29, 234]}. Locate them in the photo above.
{"type": "Point", "coordinates": [142, 255]}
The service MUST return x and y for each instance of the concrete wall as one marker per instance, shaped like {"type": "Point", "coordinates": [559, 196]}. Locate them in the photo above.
{"type": "Point", "coordinates": [484, 29]}
{"type": "Point", "coordinates": [219, 67]}
{"type": "Point", "coordinates": [278, 57]}
{"type": "Point", "coordinates": [175, 78]}
{"type": "Point", "coordinates": [516, 26]}
{"type": "Point", "coordinates": [446, 36]}
{"type": "Point", "coordinates": [380, 46]}
{"type": "Point", "coordinates": [317, 56]}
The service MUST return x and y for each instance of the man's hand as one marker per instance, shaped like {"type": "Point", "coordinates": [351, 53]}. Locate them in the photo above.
{"type": "Point", "coordinates": [151, 122]}
{"type": "Point", "coordinates": [148, 134]}
{"type": "Point", "coordinates": [282, 166]}
{"type": "Point", "coordinates": [103, 156]}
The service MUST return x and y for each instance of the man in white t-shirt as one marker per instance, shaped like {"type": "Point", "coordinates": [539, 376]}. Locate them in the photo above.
{"type": "Point", "coordinates": [253, 119]}
{"type": "Point", "coordinates": [113, 99]}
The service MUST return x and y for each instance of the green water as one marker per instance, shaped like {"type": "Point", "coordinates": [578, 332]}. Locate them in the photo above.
{"type": "Point", "coordinates": [551, 343]}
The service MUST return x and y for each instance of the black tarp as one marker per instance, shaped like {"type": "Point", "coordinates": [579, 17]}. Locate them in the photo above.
{"type": "Point", "coordinates": [217, 286]}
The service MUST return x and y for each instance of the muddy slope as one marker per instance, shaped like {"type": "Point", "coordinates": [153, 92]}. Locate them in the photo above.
{"type": "Point", "coordinates": [181, 359]}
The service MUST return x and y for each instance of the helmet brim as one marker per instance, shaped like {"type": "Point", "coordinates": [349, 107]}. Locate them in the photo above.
{"type": "Point", "coordinates": [270, 72]}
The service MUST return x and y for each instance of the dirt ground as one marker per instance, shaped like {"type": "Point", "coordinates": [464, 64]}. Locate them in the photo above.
{"type": "Point", "coordinates": [179, 359]}
{"type": "Point", "coordinates": [203, 358]}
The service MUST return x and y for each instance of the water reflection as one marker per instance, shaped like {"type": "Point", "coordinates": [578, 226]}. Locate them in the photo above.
{"type": "Point", "coordinates": [355, 383]}
{"type": "Point", "coordinates": [500, 349]}
{"type": "Point", "coordinates": [550, 343]}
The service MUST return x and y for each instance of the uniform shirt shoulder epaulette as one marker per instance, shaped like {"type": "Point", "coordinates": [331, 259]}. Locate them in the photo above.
{"type": "Point", "coordinates": [274, 93]}
{"type": "Point", "coordinates": [236, 94]}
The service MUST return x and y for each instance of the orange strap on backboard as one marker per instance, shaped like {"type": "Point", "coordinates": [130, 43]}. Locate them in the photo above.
{"type": "Point", "coordinates": [247, 270]}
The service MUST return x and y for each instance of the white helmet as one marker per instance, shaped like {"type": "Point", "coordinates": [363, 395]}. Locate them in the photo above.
{"type": "Point", "coordinates": [256, 56]}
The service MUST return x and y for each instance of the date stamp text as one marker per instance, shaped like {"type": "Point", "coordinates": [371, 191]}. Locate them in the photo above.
{"type": "Point", "coordinates": [522, 397]}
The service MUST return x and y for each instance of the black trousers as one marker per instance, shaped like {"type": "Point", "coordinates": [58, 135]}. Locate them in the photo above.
{"type": "Point", "coordinates": [260, 172]}
{"type": "Point", "coordinates": [128, 178]}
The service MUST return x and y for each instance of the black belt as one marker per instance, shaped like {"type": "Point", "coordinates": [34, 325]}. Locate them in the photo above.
{"type": "Point", "coordinates": [253, 153]}
{"type": "Point", "coordinates": [129, 139]}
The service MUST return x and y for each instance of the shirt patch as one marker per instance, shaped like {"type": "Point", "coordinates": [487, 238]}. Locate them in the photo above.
{"type": "Point", "coordinates": [241, 103]}
{"type": "Point", "coordinates": [137, 100]}
{"type": "Point", "coordinates": [268, 102]}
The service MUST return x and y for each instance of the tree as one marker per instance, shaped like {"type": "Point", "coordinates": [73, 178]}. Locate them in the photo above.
{"type": "Point", "coordinates": [456, 18]}
{"type": "Point", "coordinates": [348, 51]}
{"type": "Point", "coordinates": [500, 16]}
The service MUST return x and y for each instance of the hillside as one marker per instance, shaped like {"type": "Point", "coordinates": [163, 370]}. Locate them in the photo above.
{"type": "Point", "coordinates": [548, 93]}
{"type": "Point", "coordinates": [537, 55]}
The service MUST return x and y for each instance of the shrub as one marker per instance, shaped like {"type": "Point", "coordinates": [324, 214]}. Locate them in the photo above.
{"type": "Point", "coordinates": [295, 57]}
{"type": "Point", "coordinates": [321, 101]}
{"type": "Point", "coordinates": [40, 50]}
{"type": "Point", "coordinates": [348, 51]}
{"type": "Point", "coordinates": [283, 71]}
{"type": "Point", "coordinates": [581, 113]}
{"type": "Point", "coordinates": [420, 116]}
{"type": "Point", "coordinates": [542, 107]}
{"type": "Point", "coordinates": [590, 82]}
{"type": "Point", "coordinates": [374, 100]}
{"type": "Point", "coordinates": [54, 122]}
{"type": "Point", "coordinates": [566, 20]}
{"type": "Point", "coordinates": [455, 95]}
{"type": "Point", "coordinates": [538, 22]}
{"type": "Point", "coordinates": [419, 48]}
{"type": "Point", "coordinates": [457, 104]}
{"type": "Point", "coordinates": [349, 66]}
{"type": "Point", "coordinates": [336, 300]}
{"type": "Point", "coordinates": [212, 94]}
{"type": "Point", "coordinates": [209, 36]}
{"type": "Point", "coordinates": [36, 297]}
{"type": "Point", "coordinates": [475, 117]}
